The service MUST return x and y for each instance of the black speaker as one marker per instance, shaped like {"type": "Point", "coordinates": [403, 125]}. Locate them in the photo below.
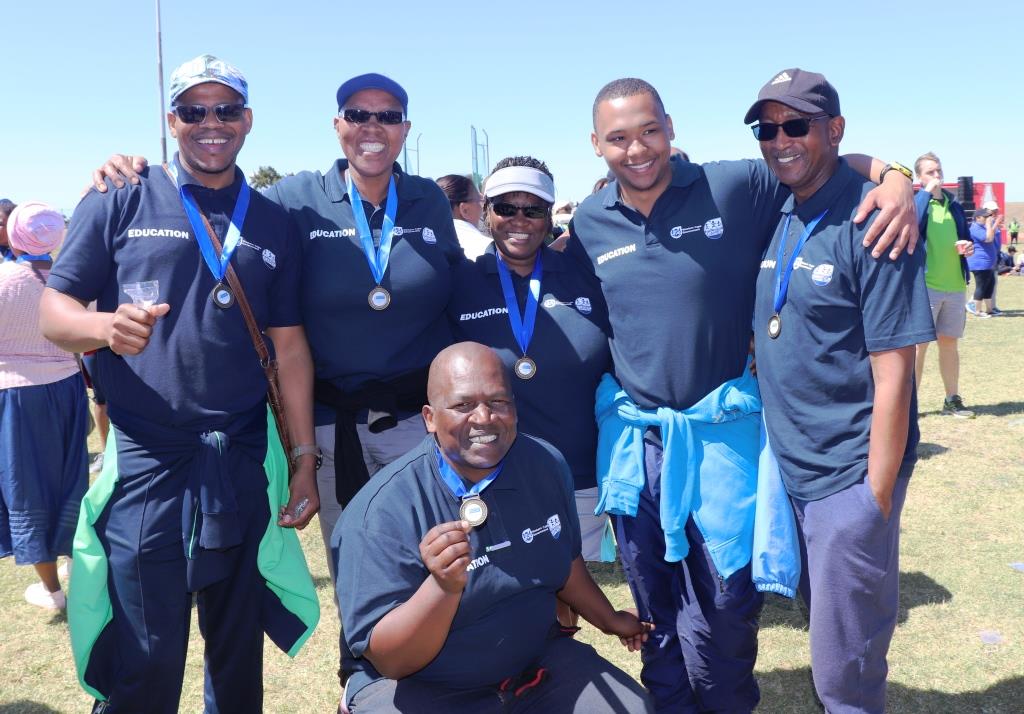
{"type": "Point", "coordinates": [965, 192]}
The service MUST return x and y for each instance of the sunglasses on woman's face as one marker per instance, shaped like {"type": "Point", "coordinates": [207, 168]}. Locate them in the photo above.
{"type": "Point", "coordinates": [361, 116]}
{"type": "Point", "coordinates": [507, 210]}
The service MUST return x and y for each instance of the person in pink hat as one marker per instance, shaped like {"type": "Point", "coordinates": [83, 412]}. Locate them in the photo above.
{"type": "Point", "coordinates": [44, 417]}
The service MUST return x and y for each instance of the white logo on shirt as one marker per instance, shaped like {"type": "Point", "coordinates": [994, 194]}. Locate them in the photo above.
{"type": "Point", "coordinates": [269, 258]}
{"type": "Point", "coordinates": [583, 305]}
{"type": "Point", "coordinates": [397, 231]}
{"type": "Point", "coordinates": [489, 312]}
{"type": "Point", "coordinates": [340, 233]}
{"type": "Point", "coordinates": [713, 229]}
{"type": "Point", "coordinates": [767, 263]}
{"type": "Point", "coordinates": [478, 562]}
{"type": "Point", "coordinates": [801, 263]}
{"type": "Point", "coordinates": [553, 526]}
{"type": "Point", "coordinates": [157, 233]}
{"type": "Point", "coordinates": [428, 236]}
{"type": "Point", "coordinates": [624, 250]}
{"type": "Point", "coordinates": [822, 275]}
{"type": "Point", "coordinates": [676, 232]}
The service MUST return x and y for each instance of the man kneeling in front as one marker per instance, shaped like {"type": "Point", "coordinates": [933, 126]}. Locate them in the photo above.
{"type": "Point", "coordinates": [452, 559]}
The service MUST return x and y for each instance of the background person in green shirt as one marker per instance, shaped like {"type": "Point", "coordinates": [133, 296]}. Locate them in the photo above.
{"type": "Point", "coordinates": [943, 225]}
{"type": "Point", "coordinates": [1014, 228]}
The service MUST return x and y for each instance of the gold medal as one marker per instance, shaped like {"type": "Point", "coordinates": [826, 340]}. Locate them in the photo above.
{"type": "Point", "coordinates": [774, 326]}
{"type": "Point", "coordinates": [379, 298]}
{"type": "Point", "coordinates": [525, 368]}
{"type": "Point", "coordinates": [474, 511]}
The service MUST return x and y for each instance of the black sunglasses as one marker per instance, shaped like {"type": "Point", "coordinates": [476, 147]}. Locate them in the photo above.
{"type": "Point", "coordinates": [196, 113]}
{"type": "Point", "coordinates": [361, 116]}
{"type": "Point", "coordinates": [794, 128]}
{"type": "Point", "coordinates": [507, 210]}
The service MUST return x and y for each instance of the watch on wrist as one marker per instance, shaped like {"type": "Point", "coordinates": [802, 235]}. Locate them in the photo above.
{"type": "Point", "coordinates": [308, 449]}
{"type": "Point", "coordinates": [896, 166]}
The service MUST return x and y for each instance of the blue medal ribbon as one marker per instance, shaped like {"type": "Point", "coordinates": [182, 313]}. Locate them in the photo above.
{"type": "Point", "coordinates": [40, 258]}
{"type": "Point", "coordinates": [377, 257]}
{"type": "Point", "coordinates": [454, 483]}
{"type": "Point", "coordinates": [218, 265]}
{"type": "Point", "coordinates": [522, 328]}
{"type": "Point", "coordinates": [782, 277]}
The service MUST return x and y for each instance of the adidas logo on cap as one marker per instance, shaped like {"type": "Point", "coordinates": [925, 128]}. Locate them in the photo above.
{"type": "Point", "coordinates": [784, 77]}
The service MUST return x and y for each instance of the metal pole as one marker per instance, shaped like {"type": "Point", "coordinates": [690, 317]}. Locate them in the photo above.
{"type": "Point", "coordinates": [487, 151]}
{"type": "Point", "coordinates": [160, 83]}
{"type": "Point", "coordinates": [472, 139]}
{"type": "Point", "coordinates": [405, 158]}
{"type": "Point", "coordinates": [418, 137]}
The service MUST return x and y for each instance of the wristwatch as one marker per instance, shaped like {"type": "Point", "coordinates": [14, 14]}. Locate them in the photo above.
{"type": "Point", "coordinates": [308, 449]}
{"type": "Point", "coordinates": [894, 166]}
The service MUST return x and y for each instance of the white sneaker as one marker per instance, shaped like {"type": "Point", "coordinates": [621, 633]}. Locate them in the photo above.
{"type": "Point", "coordinates": [97, 463]}
{"type": "Point", "coordinates": [37, 594]}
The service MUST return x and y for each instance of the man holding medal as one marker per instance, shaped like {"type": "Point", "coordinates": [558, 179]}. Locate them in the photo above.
{"type": "Point", "coordinates": [835, 335]}
{"type": "Point", "coordinates": [676, 248]}
{"type": "Point", "coordinates": [184, 505]}
{"type": "Point", "coordinates": [455, 555]}
{"type": "Point", "coordinates": [377, 246]}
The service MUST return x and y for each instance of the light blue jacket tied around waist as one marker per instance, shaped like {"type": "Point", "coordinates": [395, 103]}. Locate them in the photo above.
{"type": "Point", "coordinates": [743, 512]}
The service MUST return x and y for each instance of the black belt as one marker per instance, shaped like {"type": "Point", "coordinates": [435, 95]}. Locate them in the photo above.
{"type": "Point", "coordinates": [382, 400]}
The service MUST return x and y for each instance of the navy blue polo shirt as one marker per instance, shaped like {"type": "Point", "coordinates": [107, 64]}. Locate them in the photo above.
{"type": "Point", "coordinates": [521, 557]}
{"type": "Point", "coordinates": [200, 367]}
{"type": "Point", "coordinates": [842, 305]}
{"type": "Point", "coordinates": [351, 342]}
{"type": "Point", "coordinates": [569, 345]}
{"type": "Point", "coordinates": [679, 283]}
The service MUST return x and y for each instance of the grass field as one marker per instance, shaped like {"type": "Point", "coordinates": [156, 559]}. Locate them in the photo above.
{"type": "Point", "coordinates": [959, 645]}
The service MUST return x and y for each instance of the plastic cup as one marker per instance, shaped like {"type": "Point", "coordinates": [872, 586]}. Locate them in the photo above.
{"type": "Point", "coordinates": [144, 294]}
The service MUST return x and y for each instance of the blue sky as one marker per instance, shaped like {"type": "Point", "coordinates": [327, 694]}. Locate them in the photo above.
{"type": "Point", "coordinates": [80, 78]}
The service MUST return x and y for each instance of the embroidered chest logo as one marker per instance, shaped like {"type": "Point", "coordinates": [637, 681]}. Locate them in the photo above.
{"type": "Point", "coordinates": [583, 305]}
{"type": "Point", "coordinates": [269, 258]}
{"type": "Point", "coordinates": [428, 236]}
{"type": "Point", "coordinates": [553, 526]}
{"type": "Point", "coordinates": [713, 229]}
{"type": "Point", "coordinates": [339, 233]}
{"type": "Point", "coordinates": [478, 562]}
{"type": "Point", "coordinates": [624, 250]}
{"type": "Point", "coordinates": [822, 274]}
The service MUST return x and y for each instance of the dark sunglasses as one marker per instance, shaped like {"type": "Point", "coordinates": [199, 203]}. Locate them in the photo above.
{"type": "Point", "coordinates": [794, 128]}
{"type": "Point", "coordinates": [361, 116]}
{"type": "Point", "coordinates": [196, 113]}
{"type": "Point", "coordinates": [507, 210]}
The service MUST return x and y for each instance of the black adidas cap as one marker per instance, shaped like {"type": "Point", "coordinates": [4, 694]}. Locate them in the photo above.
{"type": "Point", "coordinates": [807, 92]}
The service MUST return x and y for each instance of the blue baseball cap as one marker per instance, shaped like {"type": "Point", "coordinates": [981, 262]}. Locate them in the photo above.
{"type": "Point", "coordinates": [373, 81]}
{"type": "Point", "coordinates": [207, 68]}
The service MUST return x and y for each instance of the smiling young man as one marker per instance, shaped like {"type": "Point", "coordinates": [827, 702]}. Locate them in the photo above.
{"type": "Point", "coordinates": [676, 248]}
{"type": "Point", "coordinates": [835, 334]}
{"type": "Point", "coordinates": [454, 556]}
{"type": "Point", "coordinates": [183, 506]}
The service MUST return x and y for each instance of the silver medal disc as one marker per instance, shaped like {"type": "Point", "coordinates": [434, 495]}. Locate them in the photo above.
{"type": "Point", "coordinates": [525, 368]}
{"type": "Point", "coordinates": [474, 511]}
{"type": "Point", "coordinates": [222, 296]}
{"type": "Point", "coordinates": [379, 298]}
{"type": "Point", "coordinates": [774, 326]}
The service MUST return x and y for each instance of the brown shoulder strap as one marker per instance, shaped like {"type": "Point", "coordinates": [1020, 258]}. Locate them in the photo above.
{"type": "Point", "coordinates": [269, 365]}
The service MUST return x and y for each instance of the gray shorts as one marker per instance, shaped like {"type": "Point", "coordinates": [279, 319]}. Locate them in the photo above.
{"type": "Point", "coordinates": [948, 312]}
{"type": "Point", "coordinates": [596, 530]}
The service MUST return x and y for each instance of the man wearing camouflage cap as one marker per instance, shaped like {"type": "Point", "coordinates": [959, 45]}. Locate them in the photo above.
{"type": "Point", "coordinates": [188, 502]}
